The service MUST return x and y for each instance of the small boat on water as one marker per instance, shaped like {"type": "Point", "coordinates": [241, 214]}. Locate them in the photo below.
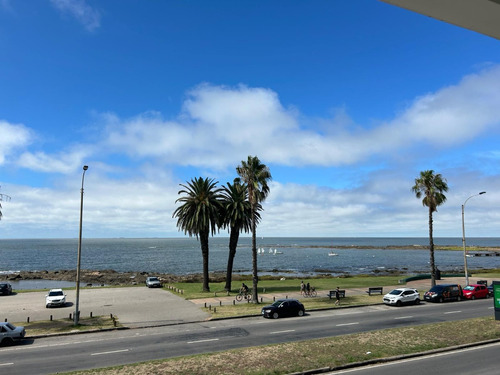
{"type": "Point", "coordinates": [277, 252]}
{"type": "Point", "coordinates": [332, 254]}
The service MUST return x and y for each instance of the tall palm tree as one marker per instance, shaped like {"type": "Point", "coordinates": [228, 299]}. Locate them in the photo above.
{"type": "Point", "coordinates": [236, 217]}
{"type": "Point", "coordinates": [431, 186]}
{"type": "Point", "coordinates": [199, 214]}
{"type": "Point", "coordinates": [256, 176]}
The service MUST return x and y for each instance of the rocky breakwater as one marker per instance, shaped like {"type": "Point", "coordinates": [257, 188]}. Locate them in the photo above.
{"type": "Point", "coordinates": [106, 277]}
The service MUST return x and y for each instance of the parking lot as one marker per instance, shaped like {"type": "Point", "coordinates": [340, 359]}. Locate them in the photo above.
{"type": "Point", "coordinates": [134, 306]}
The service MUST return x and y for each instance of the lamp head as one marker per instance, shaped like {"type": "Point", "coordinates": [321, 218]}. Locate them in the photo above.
{"type": "Point", "coordinates": [85, 167]}
{"type": "Point", "coordinates": [483, 192]}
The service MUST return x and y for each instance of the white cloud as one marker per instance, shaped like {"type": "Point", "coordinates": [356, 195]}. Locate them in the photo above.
{"type": "Point", "coordinates": [63, 162]}
{"type": "Point", "coordinates": [89, 17]}
{"type": "Point", "coordinates": [219, 125]}
{"type": "Point", "coordinates": [12, 137]}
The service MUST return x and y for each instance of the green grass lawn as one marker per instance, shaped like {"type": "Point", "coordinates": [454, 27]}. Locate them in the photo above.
{"type": "Point", "coordinates": [322, 285]}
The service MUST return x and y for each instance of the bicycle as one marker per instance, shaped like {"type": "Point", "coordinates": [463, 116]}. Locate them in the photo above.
{"type": "Point", "coordinates": [310, 293]}
{"type": "Point", "coordinates": [244, 295]}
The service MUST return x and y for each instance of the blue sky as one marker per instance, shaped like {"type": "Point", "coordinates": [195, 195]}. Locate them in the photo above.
{"type": "Point", "coordinates": [345, 101]}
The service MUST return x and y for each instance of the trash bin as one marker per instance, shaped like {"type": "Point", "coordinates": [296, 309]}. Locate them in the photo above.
{"type": "Point", "coordinates": [438, 274]}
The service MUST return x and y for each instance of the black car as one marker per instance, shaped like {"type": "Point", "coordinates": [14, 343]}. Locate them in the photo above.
{"type": "Point", "coordinates": [444, 292]}
{"type": "Point", "coordinates": [5, 289]}
{"type": "Point", "coordinates": [490, 290]}
{"type": "Point", "coordinates": [283, 307]}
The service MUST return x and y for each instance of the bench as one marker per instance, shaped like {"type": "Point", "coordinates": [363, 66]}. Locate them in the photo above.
{"type": "Point", "coordinates": [331, 293]}
{"type": "Point", "coordinates": [482, 282]}
{"type": "Point", "coordinates": [375, 290]}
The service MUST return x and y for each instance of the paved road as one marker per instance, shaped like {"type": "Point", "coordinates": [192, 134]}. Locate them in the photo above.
{"type": "Point", "coordinates": [134, 306]}
{"type": "Point", "coordinates": [55, 354]}
{"type": "Point", "coordinates": [476, 360]}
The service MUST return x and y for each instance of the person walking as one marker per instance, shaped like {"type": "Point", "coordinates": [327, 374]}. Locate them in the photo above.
{"type": "Point", "coordinates": [337, 296]}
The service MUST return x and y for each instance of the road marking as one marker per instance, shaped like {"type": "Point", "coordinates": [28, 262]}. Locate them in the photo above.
{"type": "Point", "coordinates": [7, 364]}
{"type": "Point", "coordinates": [405, 317]}
{"type": "Point", "coordinates": [278, 332]}
{"type": "Point", "coordinates": [111, 352]}
{"type": "Point", "coordinates": [197, 341]}
{"type": "Point", "coordinates": [346, 324]}
{"type": "Point", "coordinates": [453, 312]}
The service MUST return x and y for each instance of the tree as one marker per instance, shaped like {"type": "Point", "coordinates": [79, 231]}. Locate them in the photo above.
{"type": "Point", "coordinates": [256, 176]}
{"type": "Point", "coordinates": [199, 215]}
{"type": "Point", "coordinates": [237, 214]}
{"type": "Point", "coordinates": [431, 186]}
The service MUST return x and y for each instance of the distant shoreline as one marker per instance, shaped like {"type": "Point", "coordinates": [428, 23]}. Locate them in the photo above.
{"type": "Point", "coordinates": [395, 247]}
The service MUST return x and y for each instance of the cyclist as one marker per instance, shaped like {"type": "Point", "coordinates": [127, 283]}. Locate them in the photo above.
{"type": "Point", "coordinates": [244, 289]}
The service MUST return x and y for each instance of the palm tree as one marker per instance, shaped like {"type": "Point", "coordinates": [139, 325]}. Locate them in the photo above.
{"type": "Point", "coordinates": [236, 217]}
{"type": "Point", "coordinates": [199, 215]}
{"type": "Point", "coordinates": [255, 175]}
{"type": "Point", "coordinates": [431, 186]}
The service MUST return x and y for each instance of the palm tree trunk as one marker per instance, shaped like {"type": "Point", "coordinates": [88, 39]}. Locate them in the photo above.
{"type": "Point", "coordinates": [233, 243]}
{"type": "Point", "coordinates": [204, 253]}
{"type": "Point", "coordinates": [431, 250]}
{"type": "Point", "coordinates": [255, 297]}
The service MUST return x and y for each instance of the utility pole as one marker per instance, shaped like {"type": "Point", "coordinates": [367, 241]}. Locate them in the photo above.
{"type": "Point", "coordinates": [4, 198]}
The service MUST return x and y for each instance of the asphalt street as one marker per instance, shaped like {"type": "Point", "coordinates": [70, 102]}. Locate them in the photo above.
{"type": "Point", "coordinates": [55, 354]}
{"type": "Point", "coordinates": [474, 360]}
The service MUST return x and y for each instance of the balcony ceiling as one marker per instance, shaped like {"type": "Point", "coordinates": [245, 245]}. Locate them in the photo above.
{"type": "Point", "coordinates": [482, 16]}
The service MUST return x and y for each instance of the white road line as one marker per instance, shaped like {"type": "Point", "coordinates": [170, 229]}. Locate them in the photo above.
{"type": "Point", "coordinates": [7, 364]}
{"type": "Point", "coordinates": [197, 341]}
{"type": "Point", "coordinates": [111, 352]}
{"type": "Point", "coordinates": [453, 312]}
{"type": "Point", "coordinates": [278, 332]}
{"type": "Point", "coordinates": [346, 324]}
{"type": "Point", "coordinates": [404, 317]}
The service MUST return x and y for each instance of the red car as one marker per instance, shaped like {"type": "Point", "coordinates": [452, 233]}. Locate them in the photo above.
{"type": "Point", "coordinates": [474, 291]}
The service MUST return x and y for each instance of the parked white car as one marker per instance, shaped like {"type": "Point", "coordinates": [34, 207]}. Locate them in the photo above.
{"type": "Point", "coordinates": [402, 296]}
{"type": "Point", "coordinates": [56, 297]}
{"type": "Point", "coordinates": [10, 333]}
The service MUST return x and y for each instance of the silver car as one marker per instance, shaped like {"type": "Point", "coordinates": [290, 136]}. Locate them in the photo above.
{"type": "Point", "coordinates": [153, 282]}
{"type": "Point", "coordinates": [10, 333]}
{"type": "Point", "coordinates": [402, 296]}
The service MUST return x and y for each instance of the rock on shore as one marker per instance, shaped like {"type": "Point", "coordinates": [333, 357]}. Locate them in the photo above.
{"type": "Point", "coordinates": [106, 277]}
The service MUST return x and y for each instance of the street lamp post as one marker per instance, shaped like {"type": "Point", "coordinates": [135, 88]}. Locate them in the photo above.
{"type": "Point", "coordinates": [463, 237]}
{"type": "Point", "coordinates": [76, 318]}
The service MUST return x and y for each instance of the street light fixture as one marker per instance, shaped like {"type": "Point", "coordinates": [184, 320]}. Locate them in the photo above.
{"type": "Point", "coordinates": [77, 310]}
{"type": "Point", "coordinates": [463, 237]}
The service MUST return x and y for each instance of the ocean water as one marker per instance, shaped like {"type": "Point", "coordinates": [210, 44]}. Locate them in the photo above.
{"type": "Point", "coordinates": [299, 256]}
